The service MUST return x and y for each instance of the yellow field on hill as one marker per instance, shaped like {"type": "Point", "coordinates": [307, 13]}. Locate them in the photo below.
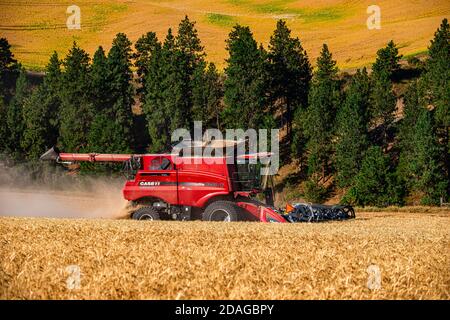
{"type": "Point", "coordinates": [120, 259]}
{"type": "Point", "coordinates": [35, 28]}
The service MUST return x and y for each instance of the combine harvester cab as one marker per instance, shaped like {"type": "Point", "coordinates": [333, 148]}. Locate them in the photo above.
{"type": "Point", "coordinates": [173, 186]}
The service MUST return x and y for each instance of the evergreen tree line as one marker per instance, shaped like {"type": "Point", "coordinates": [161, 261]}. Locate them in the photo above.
{"type": "Point", "coordinates": [345, 132]}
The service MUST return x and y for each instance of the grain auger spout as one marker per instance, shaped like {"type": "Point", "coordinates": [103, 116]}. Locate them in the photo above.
{"type": "Point", "coordinates": [54, 155]}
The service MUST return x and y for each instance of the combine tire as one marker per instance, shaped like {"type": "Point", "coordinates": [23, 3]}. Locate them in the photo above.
{"type": "Point", "coordinates": [221, 211]}
{"type": "Point", "coordinates": [146, 213]}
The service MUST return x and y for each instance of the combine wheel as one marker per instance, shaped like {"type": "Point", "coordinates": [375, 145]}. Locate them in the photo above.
{"type": "Point", "coordinates": [146, 213]}
{"type": "Point", "coordinates": [221, 211]}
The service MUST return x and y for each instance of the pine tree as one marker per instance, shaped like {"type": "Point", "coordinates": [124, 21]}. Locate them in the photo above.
{"type": "Point", "coordinates": [51, 87]}
{"type": "Point", "coordinates": [299, 139]}
{"type": "Point", "coordinates": [53, 72]}
{"type": "Point", "coordinates": [188, 43]}
{"type": "Point", "coordinates": [157, 87]}
{"type": "Point", "coordinates": [352, 129]}
{"type": "Point", "coordinates": [76, 110]}
{"type": "Point", "coordinates": [40, 113]}
{"type": "Point", "coordinates": [326, 66]}
{"type": "Point", "coordinates": [112, 98]}
{"type": "Point", "coordinates": [289, 73]}
{"type": "Point", "coordinates": [412, 105]}
{"type": "Point", "coordinates": [207, 96]}
{"type": "Point", "coordinates": [319, 118]}
{"type": "Point", "coordinates": [438, 74]}
{"type": "Point", "coordinates": [4, 134]}
{"type": "Point", "coordinates": [387, 62]}
{"type": "Point", "coordinates": [174, 72]}
{"type": "Point", "coordinates": [102, 135]}
{"type": "Point", "coordinates": [425, 165]}
{"type": "Point", "coordinates": [120, 77]}
{"type": "Point", "coordinates": [145, 47]}
{"type": "Point", "coordinates": [246, 81]}
{"type": "Point", "coordinates": [437, 82]}
{"type": "Point", "coordinates": [36, 125]}
{"type": "Point", "coordinates": [101, 91]}
{"type": "Point", "coordinates": [372, 185]}
{"type": "Point", "coordinates": [383, 104]}
{"type": "Point", "coordinates": [9, 70]}
{"type": "Point", "coordinates": [383, 100]}
{"type": "Point", "coordinates": [189, 63]}
{"type": "Point", "coordinates": [177, 101]}
{"type": "Point", "coordinates": [14, 116]}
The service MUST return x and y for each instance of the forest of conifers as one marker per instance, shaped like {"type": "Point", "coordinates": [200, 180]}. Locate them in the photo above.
{"type": "Point", "coordinates": [380, 136]}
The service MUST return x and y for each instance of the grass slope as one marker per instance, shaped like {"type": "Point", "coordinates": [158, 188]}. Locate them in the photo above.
{"type": "Point", "coordinates": [37, 28]}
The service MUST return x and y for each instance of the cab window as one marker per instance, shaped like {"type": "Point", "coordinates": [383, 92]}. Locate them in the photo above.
{"type": "Point", "coordinates": [160, 163]}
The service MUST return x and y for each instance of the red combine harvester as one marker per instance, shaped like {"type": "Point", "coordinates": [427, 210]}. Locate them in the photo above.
{"type": "Point", "coordinates": [178, 187]}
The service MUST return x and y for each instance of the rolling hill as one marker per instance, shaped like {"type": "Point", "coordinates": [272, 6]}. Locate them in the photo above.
{"type": "Point", "coordinates": [36, 28]}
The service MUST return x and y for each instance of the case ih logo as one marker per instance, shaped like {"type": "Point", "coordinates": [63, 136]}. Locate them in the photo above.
{"type": "Point", "coordinates": [149, 183]}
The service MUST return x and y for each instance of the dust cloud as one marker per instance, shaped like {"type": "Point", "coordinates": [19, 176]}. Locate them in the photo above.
{"type": "Point", "coordinates": [52, 192]}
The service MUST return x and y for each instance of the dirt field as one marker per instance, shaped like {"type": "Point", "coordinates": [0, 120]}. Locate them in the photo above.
{"type": "Point", "coordinates": [36, 28]}
{"type": "Point", "coordinates": [121, 259]}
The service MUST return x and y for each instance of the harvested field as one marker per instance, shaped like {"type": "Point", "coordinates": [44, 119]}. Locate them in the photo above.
{"type": "Point", "coordinates": [122, 259]}
{"type": "Point", "coordinates": [36, 28]}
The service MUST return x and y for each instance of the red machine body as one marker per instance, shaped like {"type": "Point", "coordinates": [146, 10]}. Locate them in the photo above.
{"type": "Point", "coordinates": [168, 186]}
{"type": "Point", "coordinates": [186, 183]}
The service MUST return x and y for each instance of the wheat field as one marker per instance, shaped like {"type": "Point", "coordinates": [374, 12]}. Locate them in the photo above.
{"type": "Point", "coordinates": [124, 259]}
{"type": "Point", "coordinates": [36, 28]}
